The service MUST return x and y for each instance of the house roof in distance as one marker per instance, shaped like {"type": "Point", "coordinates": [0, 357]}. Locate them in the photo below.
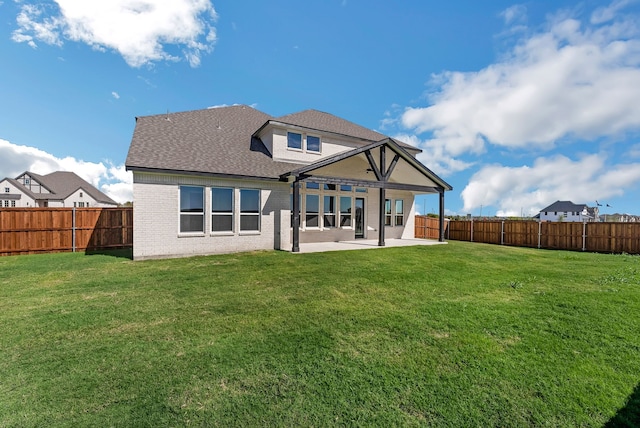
{"type": "Point", "coordinates": [224, 140]}
{"type": "Point", "coordinates": [564, 206]}
{"type": "Point", "coordinates": [62, 184]}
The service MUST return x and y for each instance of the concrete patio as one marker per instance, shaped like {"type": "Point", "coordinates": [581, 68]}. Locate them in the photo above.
{"type": "Point", "coordinates": [363, 244]}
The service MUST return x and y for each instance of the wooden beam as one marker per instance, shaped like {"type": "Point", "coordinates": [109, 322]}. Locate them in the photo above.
{"type": "Point", "coordinates": [394, 162]}
{"type": "Point", "coordinates": [374, 167]}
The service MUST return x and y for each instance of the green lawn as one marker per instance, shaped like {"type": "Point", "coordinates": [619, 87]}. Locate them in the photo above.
{"type": "Point", "coordinates": [452, 335]}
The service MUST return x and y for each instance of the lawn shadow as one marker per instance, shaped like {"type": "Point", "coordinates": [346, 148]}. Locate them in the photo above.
{"type": "Point", "coordinates": [125, 253]}
{"type": "Point", "coordinates": [629, 415]}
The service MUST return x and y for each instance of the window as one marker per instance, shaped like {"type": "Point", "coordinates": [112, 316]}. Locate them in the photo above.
{"type": "Point", "coordinates": [399, 212]}
{"type": "Point", "coordinates": [345, 211]}
{"type": "Point", "coordinates": [312, 211]}
{"type": "Point", "coordinates": [81, 204]}
{"type": "Point", "coordinates": [329, 187]}
{"type": "Point", "coordinates": [329, 211]}
{"type": "Point", "coordinates": [7, 190]}
{"type": "Point", "coordinates": [312, 185]}
{"type": "Point", "coordinates": [294, 140]}
{"type": "Point", "coordinates": [6, 204]}
{"type": "Point", "coordinates": [13, 204]}
{"type": "Point", "coordinates": [249, 210]}
{"type": "Point", "coordinates": [387, 212]}
{"type": "Point", "coordinates": [313, 143]}
{"type": "Point", "coordinates": [221, 209]}
{"type": "Point", "coordinates": [191, 209]}
{"type": "Point", "coordinates": [345, 188]}
{"type": "Point", "coordinates": [81, 195]}
{"type": "Point", "coordinates": [361, 189]}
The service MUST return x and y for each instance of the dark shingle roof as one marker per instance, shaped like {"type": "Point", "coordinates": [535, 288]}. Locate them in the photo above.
{"type": "Point", "coordinates": [219, 140]}
{"type": "Point", "coordinates": [321, 121]}
{"type": "Point", "coordinates": [314, 119]}
{"type": "Point", "coordinates": [216, 140]}
{"type": "Point", "coordinates": [564, 206]}
{"type": "Point", "coordinates": [65, 183]}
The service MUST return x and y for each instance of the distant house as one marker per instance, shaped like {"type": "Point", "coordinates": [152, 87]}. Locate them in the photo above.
{"type": "Point", "coordinates": [236, 179]}
{"type": "Point", "coordinates": [568, 211]}
{"type": "Point", "coordinates": [58, 189]}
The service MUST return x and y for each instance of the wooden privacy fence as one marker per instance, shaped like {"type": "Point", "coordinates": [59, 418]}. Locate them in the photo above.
{"type": "Point", "coordinates": [429, 227]}
{"type": "Point", "coordinates": [593, 237]}
{"type": "Point", "coordinates": [47, 230]}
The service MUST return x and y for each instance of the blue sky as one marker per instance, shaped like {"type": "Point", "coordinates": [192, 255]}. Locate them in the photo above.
{"type": "Point", "coordinates": [516, 105]}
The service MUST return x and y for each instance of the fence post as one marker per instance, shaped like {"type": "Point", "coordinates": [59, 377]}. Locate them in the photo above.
{"type": "Point", "coordinates": [539, 232]}
{"type": "Point", "coordinates": [471, 230]}
{"type": "Point", "coordinates": [502, 234]}
{"type": "Point", "coordinates": [584, 236]}
{"type": "Point", "coordinates": [73, 230]}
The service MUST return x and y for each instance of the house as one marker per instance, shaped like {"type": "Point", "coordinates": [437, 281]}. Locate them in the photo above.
{"type": "Point", "coordinates": [234, 179]}
{"type": "Point", "coordinates": [58, 189]}
{"type": "Point", "coordinates": [568, 211]}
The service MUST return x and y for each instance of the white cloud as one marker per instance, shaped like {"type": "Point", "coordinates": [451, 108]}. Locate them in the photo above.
{"type": "Point", "coordinates": [115, 95]}
{"type": "Point", "coordinates": [137, 30]}
{"type": "Point", "coordinates": [531, 188]}
{"type": "Point", "coordinates": [514, 14]}
{"type": "Point", "coordinates": [570, 81]}
{"type": "Point", "coordinates": [607, 13]}
{"type": "Point", "coordinates": [112, 180]}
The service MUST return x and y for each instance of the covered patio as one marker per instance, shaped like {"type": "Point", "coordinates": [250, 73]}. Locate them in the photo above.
{"type": "Point", "coordinates": [383, 165]}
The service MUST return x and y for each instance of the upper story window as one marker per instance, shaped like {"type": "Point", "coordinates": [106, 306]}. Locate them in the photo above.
{"type": "Point", "coordinates": [7, 190]}
{"type": "Point", "coordinates": [309, 143]}
{"type": "Point", "coordinates": [313, 143]}
{"type": "Point", "coordinates": [294, 140]}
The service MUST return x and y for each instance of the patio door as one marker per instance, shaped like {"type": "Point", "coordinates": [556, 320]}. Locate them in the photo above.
{"type": "Point", "coordinates": [359, 220]}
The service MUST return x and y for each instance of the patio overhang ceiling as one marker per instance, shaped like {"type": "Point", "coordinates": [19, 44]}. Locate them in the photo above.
{"type": "Point", "coordinates": [362, 167]}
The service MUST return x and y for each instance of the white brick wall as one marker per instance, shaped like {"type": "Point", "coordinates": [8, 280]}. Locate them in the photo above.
{"type": "Point", "coordinates": [156, 218]}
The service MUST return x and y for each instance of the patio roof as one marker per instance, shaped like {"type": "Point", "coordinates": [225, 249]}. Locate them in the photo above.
{"type": "Point", "coordinates": [369, 166]}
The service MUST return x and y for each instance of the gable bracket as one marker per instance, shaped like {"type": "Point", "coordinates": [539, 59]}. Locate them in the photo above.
{"type": "Point", "coordinates": [393, 164]}
{"type": "Point", "coordinates": [373, 165]}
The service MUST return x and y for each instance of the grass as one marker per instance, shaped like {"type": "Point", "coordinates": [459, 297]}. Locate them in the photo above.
{"type": "Point", "coordinates": [454, 335]}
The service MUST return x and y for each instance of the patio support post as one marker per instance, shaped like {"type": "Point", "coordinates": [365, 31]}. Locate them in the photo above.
{"type": "Point", "coordinates": [296, 216]}
{"type": "Point", "coordinates": [383, 162]}
{"type": "Point", "coordinates": [441, 212]}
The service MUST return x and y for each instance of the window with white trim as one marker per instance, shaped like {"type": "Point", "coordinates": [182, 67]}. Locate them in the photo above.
{"type": "Point", "coordinates": [7, 190]}
{"type": "Point", "coordinates": [329, 211]}
{"type": "Point", "coordinates": [312, 211]}
{"type": "Point", "coordinates": [221, 209]}
{"type": "Point", "coordinates": [249, 210]}
{"type": "Point", "coordinates": [387, 212]}
{"type": "Point", "coordinates": [191, 209]}
{"type": "Point", "coordinates": [345, 211]}
{"type": "Point", "coordinates": [399, 212]}
{"type": "Point", "coordinates": [313, 143]}
{"type": "Point", "coordinates": [294, 140]}
{"type": "Point", "coordinates": [13, 204]}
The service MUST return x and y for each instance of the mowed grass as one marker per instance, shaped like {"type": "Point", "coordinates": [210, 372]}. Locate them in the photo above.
{"type": "Point", "coordinates": [452, 335]}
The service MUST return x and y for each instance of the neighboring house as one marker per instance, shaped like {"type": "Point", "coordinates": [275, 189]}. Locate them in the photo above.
{"type": "Point", "coordinates": [58, 189]}
{"type": "Point", "coordinates": [568, 211]}
{"type": "Point", "coordinates": [236, 179]}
